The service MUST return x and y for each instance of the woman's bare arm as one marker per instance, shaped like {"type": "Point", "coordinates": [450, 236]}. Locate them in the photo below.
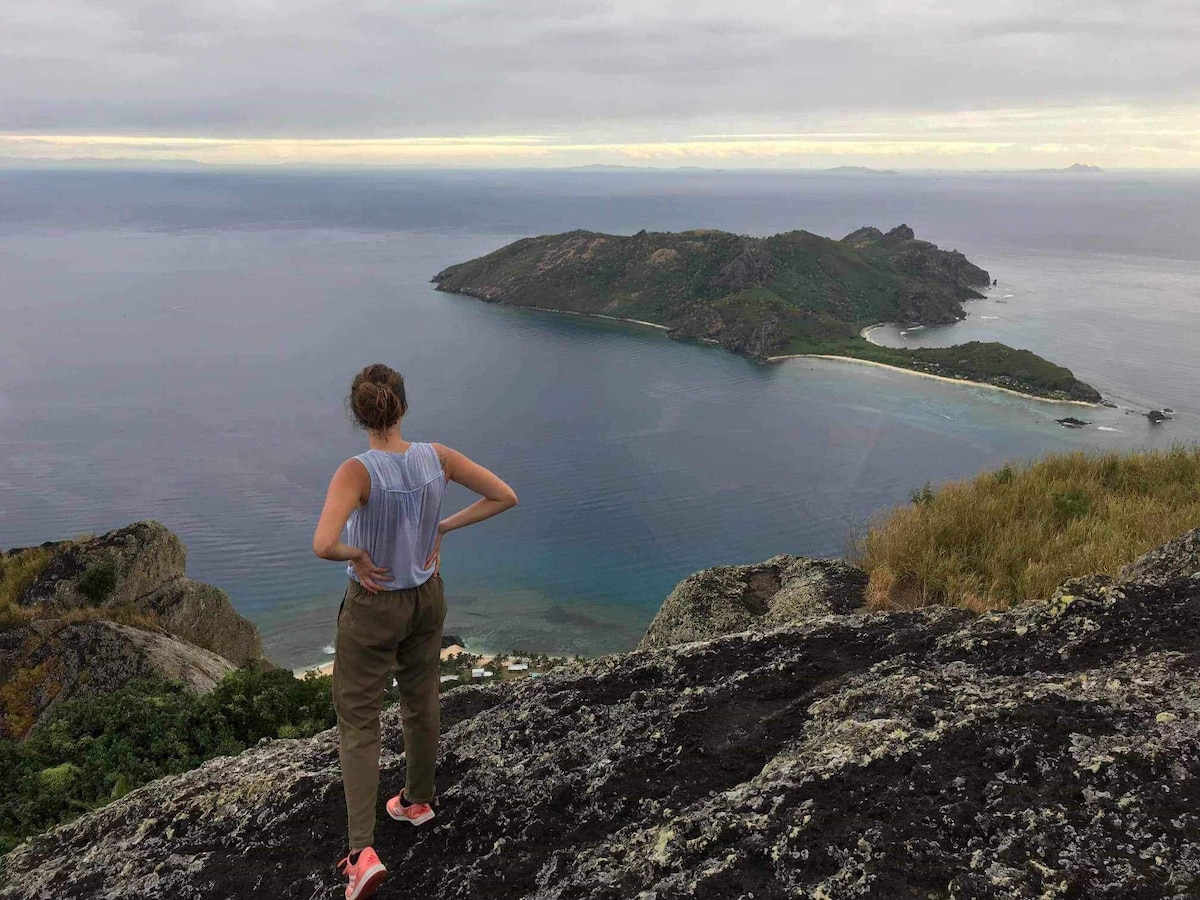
{"type": "Point", "coordinates": [349, 487]}
{"type": "Point", "coordinates": [495, 496]}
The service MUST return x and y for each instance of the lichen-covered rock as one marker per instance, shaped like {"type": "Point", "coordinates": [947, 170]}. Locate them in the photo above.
{"type": "Point", "coordinates": [50, 660]}
{"type": "Point", "coordinates": [1169, 561]}
{"type": "Point", "coordinates": [1051, 751]}
{"type": "Point", "coordinates": [115, 569]}
{"type": "Point", "coordinates": [728, 599]}
{"type": "Point", "coordinates": [141, 568]}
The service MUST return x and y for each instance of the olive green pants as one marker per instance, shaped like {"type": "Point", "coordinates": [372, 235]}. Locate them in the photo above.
{"type": "Point", "coordinates": [376, 633]}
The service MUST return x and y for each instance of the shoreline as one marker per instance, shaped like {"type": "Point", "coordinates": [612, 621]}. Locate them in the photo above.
{"type": "Point", "coordinates": [568, 312]}
{"type": "Point", "coordinates": [864, 334]}
{"type": "Point", "coordinates": [946, 378]}
{"type": "Point", "coordinates": [327, 668]}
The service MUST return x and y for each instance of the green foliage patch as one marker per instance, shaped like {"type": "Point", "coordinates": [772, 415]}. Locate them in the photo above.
{"type": "Point", "coordinates": [98, 582]}
{"type": "Point", "coordinates": [94, 750]}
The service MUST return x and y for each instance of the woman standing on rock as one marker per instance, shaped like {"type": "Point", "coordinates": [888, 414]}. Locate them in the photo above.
{"type": "Point", "coordinates": [389, 502]}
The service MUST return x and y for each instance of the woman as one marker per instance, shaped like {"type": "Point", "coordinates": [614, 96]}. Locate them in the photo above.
{"type": "Point", "coordinates": [389, 501]}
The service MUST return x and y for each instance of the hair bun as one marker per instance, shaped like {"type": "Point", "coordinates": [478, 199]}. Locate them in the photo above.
{"type": "Point", "coordinates": [377, 398]}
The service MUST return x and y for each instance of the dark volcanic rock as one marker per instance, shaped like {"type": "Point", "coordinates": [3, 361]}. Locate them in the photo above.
{"type": "Point", "coordinates": [1051, 751]}
{"type": "Point", "coordinates": [727, 599]}
{"type": "Point", "coordinates": [141, 567]}
{"type": "Point", "coordinates": [1072, 422]}
{"type": "Point", "coordinates": [48, 661]}
{"type": "Point", "coordinates": [1157, 416]}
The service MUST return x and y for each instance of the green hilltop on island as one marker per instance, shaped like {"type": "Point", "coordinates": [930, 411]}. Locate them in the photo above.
{"type": "Point", "coordinates": [795, 293]}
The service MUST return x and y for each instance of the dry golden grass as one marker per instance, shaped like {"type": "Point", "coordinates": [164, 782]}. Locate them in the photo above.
{"type": "Point", "coordinates": [17, 572]}
{"type": "Point", "coordinates": [1015, 535]}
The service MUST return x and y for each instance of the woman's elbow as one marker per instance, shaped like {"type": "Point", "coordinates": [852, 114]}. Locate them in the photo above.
{"type": "Point", "coordinates": [511, 500]}
{"type": "Point", "coordinates": [321, 547]}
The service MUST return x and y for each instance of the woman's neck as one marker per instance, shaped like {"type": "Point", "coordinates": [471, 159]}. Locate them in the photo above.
{"type": "Point", "coordinates": [391, 441]}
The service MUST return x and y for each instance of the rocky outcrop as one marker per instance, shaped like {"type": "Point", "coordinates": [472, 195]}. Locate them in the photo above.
{"type": "Point", "coordinates": [928, 304]}
{"type": "Point", "coordinates": [760, 337]}
{"type": "Point", "coordinates": [1050, 751]}
{"type": "Point", "coordinates": [938, 280]}
{"type": "Point", "coordinates": [47, 661]}
{"type": "Point", "coordinates": [141, 568]}
{"type": "Point", "coordinates": [752, 266]}
{"type": "Point", "coordinates": [728, 599]}
{"type": "Point", "coordinates": [116, 569]}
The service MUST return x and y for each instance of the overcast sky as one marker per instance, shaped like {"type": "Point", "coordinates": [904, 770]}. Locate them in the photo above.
{"type": "Point", "coordinates": [897, 83]}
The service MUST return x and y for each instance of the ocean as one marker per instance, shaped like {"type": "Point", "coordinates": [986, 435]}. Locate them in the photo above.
{"type": "Point", "coordinates": [177, 345]}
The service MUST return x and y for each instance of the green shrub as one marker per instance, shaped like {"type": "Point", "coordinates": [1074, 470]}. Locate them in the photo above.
{"type": "Point", "coordinates": [94, 750]}
{"type": "Point", "coordinates": [1070, 505]}
{"type": "Point", "coordinates": [924, 495]}
{"type": "Point", "coordinates": [98, 582]}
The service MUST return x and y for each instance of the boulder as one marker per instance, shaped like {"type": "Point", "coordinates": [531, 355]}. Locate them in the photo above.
{"type": "Point", "coordinates": [140, 568]}
{"type": "Point", "coordinates": [116, 569]}
{"type": "Point", "coordinates": [728, 599]}
{"type": "Point", "coordinates": [47, 661]}
{"type": "Point", "coordinates": [1048, 751]}
{"type": "Point", "coordinates": [202, 615]}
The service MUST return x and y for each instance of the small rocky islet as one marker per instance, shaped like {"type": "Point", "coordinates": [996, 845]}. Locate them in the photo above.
{"type": "Point", "coordinates": [770, 737]}
{"type": "Point", "coordinates": [795, 293]}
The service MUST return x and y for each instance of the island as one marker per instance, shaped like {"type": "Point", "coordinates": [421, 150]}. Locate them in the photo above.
{"type": "Point", "coordinates": [858, 170]}
{"type": "Point", "coordinates": [768, 298]}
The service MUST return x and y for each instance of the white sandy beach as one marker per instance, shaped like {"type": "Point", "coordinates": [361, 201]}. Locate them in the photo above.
{"type": "Point", "coordinates": [865, 334]}
{"type": "Point", "coordinates": [963, 381]}
{"type": "Point", "coordinates": [447, 653]}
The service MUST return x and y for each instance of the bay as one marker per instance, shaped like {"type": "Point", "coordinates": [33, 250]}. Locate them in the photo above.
{"type": "Point", "coordinates": [178, 346]}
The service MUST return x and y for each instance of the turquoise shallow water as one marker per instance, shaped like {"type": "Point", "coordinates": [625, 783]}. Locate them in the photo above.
{"type": "Point", "coordinates": [192, 370]}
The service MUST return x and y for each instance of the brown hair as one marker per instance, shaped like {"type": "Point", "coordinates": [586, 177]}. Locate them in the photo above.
{"type": "Point", "coordinates": [377, 398]}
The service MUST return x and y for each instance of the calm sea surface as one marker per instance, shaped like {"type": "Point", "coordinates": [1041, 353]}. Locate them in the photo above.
{"type": "Point", "coordinates": [177, 346]}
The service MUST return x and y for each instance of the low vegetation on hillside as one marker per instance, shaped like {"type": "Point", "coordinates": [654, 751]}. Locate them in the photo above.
{"type": "Point", "coordinates": [1016, 534]}
{"type": "Point", "coordinates": [19, 570]}
{"type": "Point", "coordinates": [94, 750]}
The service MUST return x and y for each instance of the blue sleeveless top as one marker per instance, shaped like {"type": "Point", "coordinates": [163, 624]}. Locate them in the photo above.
{"type": "Point", "coordinates": [398, 523]}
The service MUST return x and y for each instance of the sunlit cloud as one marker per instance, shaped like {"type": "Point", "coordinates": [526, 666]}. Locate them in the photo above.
{"type": "Point", "coordinates": [1018, 138]}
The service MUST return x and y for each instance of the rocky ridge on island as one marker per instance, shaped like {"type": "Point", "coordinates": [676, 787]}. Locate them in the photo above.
{"type": "Point", "coordinates": [795, 293]}
{"type": "Point", "coordinates": [107, 610]}
{"type": "Point", "coordinates": [820, 750]}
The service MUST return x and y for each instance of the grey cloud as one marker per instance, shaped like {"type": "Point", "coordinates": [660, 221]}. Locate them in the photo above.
{"type": "Point", "coordinates": [312, 68]}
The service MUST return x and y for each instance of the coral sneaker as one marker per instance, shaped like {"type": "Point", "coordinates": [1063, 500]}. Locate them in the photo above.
{"type": "Point", "coordinates": [364, 876]}
{"type": "Point", "coordinates": [412, 813]}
